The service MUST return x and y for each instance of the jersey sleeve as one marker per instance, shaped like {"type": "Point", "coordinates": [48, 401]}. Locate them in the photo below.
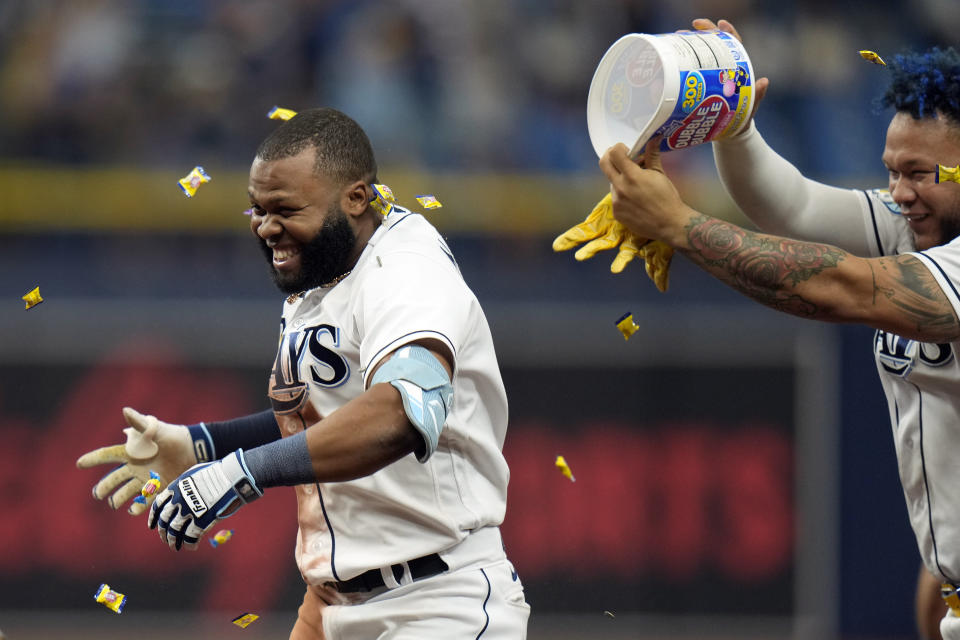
{"type": "Point", "coordinates": [944, 263]}
{"type": "Point", "coordinates": [411, 296]}
{"type": "Point", "coordinates": [780, 200]}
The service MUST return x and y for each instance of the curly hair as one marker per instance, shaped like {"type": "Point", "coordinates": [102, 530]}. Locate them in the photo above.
{"type": "Point", "coordinates": [923, 84]}
{"type": "Point", "coordinates": [343, 150]}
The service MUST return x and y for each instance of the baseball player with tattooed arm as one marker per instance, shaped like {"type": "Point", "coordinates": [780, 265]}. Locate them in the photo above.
{"type": "Point", "coordinates": [886, 259]}
{"type": "Point", "coordinates": [388, 411]}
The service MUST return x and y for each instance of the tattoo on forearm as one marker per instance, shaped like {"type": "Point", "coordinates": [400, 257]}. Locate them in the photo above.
{"type": "Point", "coordinates": [770, 270]}
{"type": "Point", "coordinates": [765, 268]}
{"type": "Point", "coordinates": [910, 286]}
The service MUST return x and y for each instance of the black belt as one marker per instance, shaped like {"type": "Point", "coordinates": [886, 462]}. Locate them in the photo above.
{"type": "Point", "coordinates": [420, 568]}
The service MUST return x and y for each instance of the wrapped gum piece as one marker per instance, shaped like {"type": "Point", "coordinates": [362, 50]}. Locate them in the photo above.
{"type": "Point", "coordinates": [947, 174]}
{"type": "Point", "coordinates": [383, 199]}
{"type": "Point", "coordinates": [564, 468]}
{"type": "Point", "coordinates": [32, 298]}
{"type": "Point", "coordinates": [221, 537]}
{"type": "Point", "coordinates": [279, 113]}
{"type": "Point", "coordinates": [872, 57]}
{"type": "Point", "coordinates": [627, 326]}
{"type": "Point", "coordinates": [109, 598]}
{"type": "Point", "coordinates": [151, 486]}
{"type": "Point", "coordinates": [428, 201]}
{"type": "Point", "coordinates": [192, 181]}
{"type": "Point", "coordinates": [244, 620]}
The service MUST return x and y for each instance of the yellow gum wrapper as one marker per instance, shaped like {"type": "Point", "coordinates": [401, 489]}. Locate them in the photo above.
{"type": "Point", "coordinates": [627, 326]}
{"type": "Point", "coordinates": [565, 468]}
{"type": "Point", "coordinates": [221, 537]}
{"type": "Point", "coordinates": [192, 181]}
{"type": "Point", "coordinates": [428, 201]}
{"type": "Point", "coordinates": [948, 174]}
{"type": "Point", "coordinates": [244, 620]}
{"type": "Point", "coordinates": [110, 598]}
{"type": "Point", "coordinates": [872, 57]}
{"type": "Point", "coordinates": [279, 113]}
{"type": "Point", "coordinates": [383, 199]}
{"type": "Point", "coordinates": [149, 488]}
{"type": "Point", "coordinates": [32, 298]}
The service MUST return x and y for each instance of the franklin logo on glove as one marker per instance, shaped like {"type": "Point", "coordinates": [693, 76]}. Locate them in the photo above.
{"type": "Point", "coordinates": [190, 492]}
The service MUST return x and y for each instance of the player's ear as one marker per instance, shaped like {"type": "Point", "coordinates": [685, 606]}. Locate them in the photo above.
{"type": "Point", "coordinates": [355, 198]}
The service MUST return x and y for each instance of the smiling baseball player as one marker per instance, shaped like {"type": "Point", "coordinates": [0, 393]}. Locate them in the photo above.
{"type": "Point", "coordinates": [388, 397]}
{"type": "Point", "coordinates": [892, 263]}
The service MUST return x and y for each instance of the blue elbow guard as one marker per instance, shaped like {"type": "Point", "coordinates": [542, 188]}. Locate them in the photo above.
{"type": "Point", "coordinates": [426, 390]}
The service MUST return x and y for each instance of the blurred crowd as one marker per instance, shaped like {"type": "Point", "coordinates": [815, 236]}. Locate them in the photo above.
{"type": "Point", "coordinates": [439, 84]}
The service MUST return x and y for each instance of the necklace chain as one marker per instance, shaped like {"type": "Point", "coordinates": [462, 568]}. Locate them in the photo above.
{"type": "Point", "coordinates": [335, 280]}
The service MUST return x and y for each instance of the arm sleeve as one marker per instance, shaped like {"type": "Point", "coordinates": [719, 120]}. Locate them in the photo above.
{"type": "Point", "coordinates": [242, 433]}
{"type": "Point", "coordinates": [776, 197]}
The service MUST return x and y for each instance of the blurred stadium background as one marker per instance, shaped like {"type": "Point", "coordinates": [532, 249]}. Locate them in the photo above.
{"type": "Point", "coordinates": [735, 472]}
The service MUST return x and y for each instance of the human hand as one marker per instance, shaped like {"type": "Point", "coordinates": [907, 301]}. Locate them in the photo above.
{"type": "Point", "coordinates": [195, 501]}
{"type": "Point", "coordinates": [644, 199]}
{"type": "Point", "coordinates": [152, 445]}
{"type": "Point", "coordinates": [760, 85]}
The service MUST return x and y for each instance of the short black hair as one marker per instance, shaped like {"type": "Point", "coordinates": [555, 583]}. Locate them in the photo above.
{"type": "Point", "coordinates": [924, 84]}
{"type": "Point", "coordinates": [343, 150]}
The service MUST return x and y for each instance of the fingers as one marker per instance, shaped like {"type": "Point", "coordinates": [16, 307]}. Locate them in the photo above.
{"type": "Point", "coordinates": [616, 162]}
{"type": "Point", "coordinates": [111, 481]}
{"type": "Point", "coordinates": [574, 236]}
{"type": "Point", "coordinates": [192, 535]}
{"type": "Point", "coordinates": [760, 90]}
{"type": "Point", "coordinates": [657, 256]}
{"type": "Point", "coordinates": [177, 529]}
{"type": "Point", "coordinates": [607, 241]}
{"type": "Point", "coordinates": [163, 498]}
{"type": "Point", "coordinates": [103, 455]}
{"type": "Point", "coordinates": [726, 25]}
{"type": "Point", "coordinates": [140, 435]}
{"type": "Point", "coordinates": [135, 419]}
{"type": "Point", "coordinates": [173, 523]}
{"type": "Point", "coordinates": [127, 492]}
{"type": "Point", "coordinates": [596, 223]}
{"type": "Point", "coordinates": [624, 257]}
{"type": "Point", "coordinates": [180, 530]}
{"type": "Point", "coordinates": [613, 161]}
{"type": "Point", "coordinates": [651, 155]}
{"type": "Point", "coordinates": [137, 508]}
{"type": "Point", "coordinates": [703, 24]}
{"type": "Point", "coordinates": [628, 251]}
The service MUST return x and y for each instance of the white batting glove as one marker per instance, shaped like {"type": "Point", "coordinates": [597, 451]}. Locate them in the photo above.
{"type": "Point", "coordinates": [152, 445]}
{"type": "Point", "coordinates": [196, 500]}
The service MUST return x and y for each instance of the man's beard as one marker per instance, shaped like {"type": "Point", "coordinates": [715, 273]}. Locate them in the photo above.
{"type": "Point", "coordinates": [322, 259]}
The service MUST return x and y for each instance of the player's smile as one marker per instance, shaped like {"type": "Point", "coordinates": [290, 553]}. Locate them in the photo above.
{"type": "Point", "coordinates": [912, 152]}
{"type": "Point", "coordinates": [286, 259]}
{"type": "Point", "coordinates": [296, 216]}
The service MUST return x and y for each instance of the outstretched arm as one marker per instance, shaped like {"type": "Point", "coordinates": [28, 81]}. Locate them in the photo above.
{"type": "Point", "coordinates": [402, 413]}
{"type": "Point", "coordinates": [897, 294]}
{"type": "Point", "coordinates": [781, 200]}
{"type": "Point", "coordinates": [774, 194]}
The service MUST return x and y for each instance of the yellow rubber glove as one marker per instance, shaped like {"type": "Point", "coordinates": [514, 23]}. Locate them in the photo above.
{"type": "Point", "coordinates": [152, 445]}
{"type": "Point", "coordinates": [601, 231]}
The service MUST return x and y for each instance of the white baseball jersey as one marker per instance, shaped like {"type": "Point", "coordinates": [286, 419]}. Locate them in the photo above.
{"type": "Point", "coordinates": [922, 384]}
{"type": "Point", "coordinates": [406, 286]}
{"type": "Point", "coordinates": [921, 381]}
